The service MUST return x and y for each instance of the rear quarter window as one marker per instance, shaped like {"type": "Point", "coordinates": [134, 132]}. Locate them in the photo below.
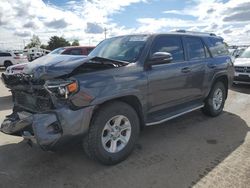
{"type": "Point", "coordinates": [217, 47]}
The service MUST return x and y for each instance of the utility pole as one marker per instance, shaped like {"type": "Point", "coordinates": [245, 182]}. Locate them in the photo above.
{"type": "Point", "coordinates": [105, 32]}
{"type": "Point", "coordinates": [23, 43]}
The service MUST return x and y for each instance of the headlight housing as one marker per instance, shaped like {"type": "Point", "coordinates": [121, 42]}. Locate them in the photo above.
{"type": "Point", "coordinates": [62, 88]}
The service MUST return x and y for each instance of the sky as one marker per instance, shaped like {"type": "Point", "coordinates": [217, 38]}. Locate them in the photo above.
{"type": "Point", "coordinates": [86, 20]}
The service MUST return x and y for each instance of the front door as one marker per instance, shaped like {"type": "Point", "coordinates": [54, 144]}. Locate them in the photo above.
{"type": "Point", "coordinates": [167, 83]}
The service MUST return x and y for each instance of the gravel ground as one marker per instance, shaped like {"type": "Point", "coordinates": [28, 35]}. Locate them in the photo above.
{"type": "Point", "coordinates": [190, 151]}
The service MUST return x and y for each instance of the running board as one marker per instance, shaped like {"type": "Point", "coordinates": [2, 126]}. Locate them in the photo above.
{"type": "Point", "coordinates": [174, 116]}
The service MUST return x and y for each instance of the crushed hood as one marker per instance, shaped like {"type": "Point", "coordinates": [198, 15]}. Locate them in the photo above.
{"type": "Point", "coordinates": [52, 66]}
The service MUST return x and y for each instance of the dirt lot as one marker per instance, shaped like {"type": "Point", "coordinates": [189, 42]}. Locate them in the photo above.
{"type": "Point", "coordinates": [193, 150]}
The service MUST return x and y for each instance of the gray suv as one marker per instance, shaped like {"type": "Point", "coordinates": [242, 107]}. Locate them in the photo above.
{"type": "Point", "coordinates": [126, 83]}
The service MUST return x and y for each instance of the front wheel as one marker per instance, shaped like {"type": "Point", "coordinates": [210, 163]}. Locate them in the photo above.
{"type": "Point", "coordinates": [7, 64]}
{"type": "Point", "coordinates": [112, 133]}
{"type": "Point", "coordinates": [215, 101]}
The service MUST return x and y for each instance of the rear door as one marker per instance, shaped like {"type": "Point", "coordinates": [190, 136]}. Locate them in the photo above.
{"type": "Point", "coordinates": [168, 82]}
{"type": "Point", "coordinates": [1, 59]}
{"type": "Point", "coordinates": [198, 57]}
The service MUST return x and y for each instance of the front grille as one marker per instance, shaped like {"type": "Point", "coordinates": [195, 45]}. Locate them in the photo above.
{"type": "Point", "coordinates": [242, 69]}
{"type": "Point", "coordinates": [243, 78]}
{"type": "Point", "coordinates": [32, 102]}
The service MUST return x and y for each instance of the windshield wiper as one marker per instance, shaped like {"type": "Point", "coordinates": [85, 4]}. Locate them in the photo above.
{"type": "Point", "coordinates": [107, 60]}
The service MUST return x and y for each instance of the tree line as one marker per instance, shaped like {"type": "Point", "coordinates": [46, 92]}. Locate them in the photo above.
{"type": "Point", "coordinates": [53, 43]}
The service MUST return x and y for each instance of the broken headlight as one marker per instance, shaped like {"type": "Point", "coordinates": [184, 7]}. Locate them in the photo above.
{"type": "Point", "coordinates": [61, 88]}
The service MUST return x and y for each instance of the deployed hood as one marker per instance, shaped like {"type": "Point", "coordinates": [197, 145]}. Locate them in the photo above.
{"type": "Point", "coordinates": [52, 66]}
{"type": "Point", "coordinates": [245, 62]}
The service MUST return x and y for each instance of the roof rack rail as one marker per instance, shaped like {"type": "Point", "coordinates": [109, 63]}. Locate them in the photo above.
{"type": "Point", "coordinates": [195, 32]}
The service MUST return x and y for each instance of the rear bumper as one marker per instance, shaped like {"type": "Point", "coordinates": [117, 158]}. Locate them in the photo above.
{"type": "Point", "coordinates": [49, 129]}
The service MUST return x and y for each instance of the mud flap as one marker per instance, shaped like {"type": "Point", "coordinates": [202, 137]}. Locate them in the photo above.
{"type": "Point", "coordinates": [46, 129]}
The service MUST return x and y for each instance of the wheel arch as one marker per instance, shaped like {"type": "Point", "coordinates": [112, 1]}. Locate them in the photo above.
{"type": "Point", "coordinates": [7, 61]}
{"type": "Point", "coordinates": [131, 100]}
{"type": "Point", "coordinates": [223, 79]}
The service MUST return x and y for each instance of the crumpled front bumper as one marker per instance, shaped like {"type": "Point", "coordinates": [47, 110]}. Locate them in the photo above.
{"type": "Point", "coordinates": [49, 129]}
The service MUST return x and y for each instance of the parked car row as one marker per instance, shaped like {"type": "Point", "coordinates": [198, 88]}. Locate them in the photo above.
{"type": "Point", "coordinates": [71, 50]}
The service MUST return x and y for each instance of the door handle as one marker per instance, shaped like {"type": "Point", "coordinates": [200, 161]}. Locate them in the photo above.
{"type": "Point", "coordinates": [186, 70]}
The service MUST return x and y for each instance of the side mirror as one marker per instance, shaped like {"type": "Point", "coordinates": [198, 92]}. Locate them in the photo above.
{"type": "Point", "coordinates": [160, 58]}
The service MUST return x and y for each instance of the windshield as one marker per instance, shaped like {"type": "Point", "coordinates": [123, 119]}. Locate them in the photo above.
{"type": "Point", "coordinates": [246, 53]}
{"type": "Point", "coordinates": [57, 51]}
{"type": "Point", "coordinates": [124, 48]}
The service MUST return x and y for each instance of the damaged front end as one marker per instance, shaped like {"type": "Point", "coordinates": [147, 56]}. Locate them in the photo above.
{"type": "Point", "coordinates": [45, 109]}
{"type": "Point", "coordinates": [43, 112]}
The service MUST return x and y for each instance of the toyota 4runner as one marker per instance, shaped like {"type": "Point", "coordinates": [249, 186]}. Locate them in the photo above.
{"type": "Point", "coordinates": [126, 83]}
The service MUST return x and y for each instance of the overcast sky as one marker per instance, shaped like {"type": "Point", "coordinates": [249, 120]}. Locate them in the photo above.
{"type": "Point", "coordinates": [85, 20]}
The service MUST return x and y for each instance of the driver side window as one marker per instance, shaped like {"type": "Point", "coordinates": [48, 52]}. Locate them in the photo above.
{"type": "Point", "coordinates": [170, 44]}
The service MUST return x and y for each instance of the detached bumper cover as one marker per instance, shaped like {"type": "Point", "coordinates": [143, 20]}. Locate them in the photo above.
{"type": "Point", "coordinates": [49, 129]}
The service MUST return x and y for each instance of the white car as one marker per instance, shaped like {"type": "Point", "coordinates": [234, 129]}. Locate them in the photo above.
{"type": "Point", "coordinates": [10, 58]}
{"type": "Point", "coordinates": [242, 68]}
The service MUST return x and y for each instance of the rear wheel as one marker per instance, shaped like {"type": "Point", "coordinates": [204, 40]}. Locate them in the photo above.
{"type": "Point", "coordinates": [112, 133]}
{"type": "Point", "coordinates": [215, 101]}
{"type": "Point", "coordinates": [7, 64]}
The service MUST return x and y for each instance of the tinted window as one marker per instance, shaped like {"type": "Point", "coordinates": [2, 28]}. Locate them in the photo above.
{"type": "Point", "coordinates": [73, 52]}
{"type": "Point", "coordinates": [89, 50]}
{"type": "Point", "coordinates": [57, 51]}
{"type": "Point", "coordinates": [217, 47]}
{"type": "Point", "coordinates": [170, 44]}
{"type": "Point", "coordinates": [246, 53]}
{"type": "Point", "coordinates": [5, 54]}
{"type": "Point", "coordinates": [195, 48]}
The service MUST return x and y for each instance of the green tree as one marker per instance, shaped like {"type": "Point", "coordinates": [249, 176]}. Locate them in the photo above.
{"type": "Point", "coordinates": [34, 42]}
{"type": "Point", "coordinates": [75, 43]}
{"type": "Point", "coordinates": [44, 46]}
{"type": "Point", "coordinates": [56, 42]}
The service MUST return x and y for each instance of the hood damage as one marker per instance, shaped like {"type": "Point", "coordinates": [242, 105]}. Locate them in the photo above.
{"type": "Point", "coordinates": [43, 112]}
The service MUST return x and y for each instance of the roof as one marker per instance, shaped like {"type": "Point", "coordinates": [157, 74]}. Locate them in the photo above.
{"type": "Point", "coordinates": [67, 47]}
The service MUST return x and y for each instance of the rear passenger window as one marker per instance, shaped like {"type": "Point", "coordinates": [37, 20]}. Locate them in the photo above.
{"type": "Point", "coordinates": [217, 47]}
{"type": "Point", "coordinates": [5, 54]}
{"type": "Point", "coordinates": [170, 44]}
{"type": "Point", "coordinates": [195, 48]}
{"type": "Point", "coordinates": [73, 52]}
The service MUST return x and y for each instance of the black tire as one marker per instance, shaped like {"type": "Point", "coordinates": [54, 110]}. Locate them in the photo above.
{"type": "Point", "coordinates": [210, 109]}
{"type": "Point", "coordinates": [7, 64]}
{"type": "Point", "coordinates": [92, 143]}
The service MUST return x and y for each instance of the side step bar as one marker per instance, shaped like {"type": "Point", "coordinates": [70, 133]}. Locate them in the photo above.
{"type": "Point", "coordinates": [174, 116]}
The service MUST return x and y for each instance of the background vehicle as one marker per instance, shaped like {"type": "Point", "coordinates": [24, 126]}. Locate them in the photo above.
{"type": "Point", "coordinates": [237, 53]}
{"type": "Point", "coordinates": [10, 58]}
{"type": "Point", "coordinates": [242, 68]}
{"type": "Point", "coordinates": [125, 83]}
{"type": "Point", "coordinates": [77, 50]}
{"type": "Point", "coordinates": [35, 52]}
{"type": "Point", "coordinates": [73, 50]}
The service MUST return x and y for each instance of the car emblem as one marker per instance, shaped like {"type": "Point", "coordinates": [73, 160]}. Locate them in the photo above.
{"type": "Point", "coordinates": [245, 69]}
